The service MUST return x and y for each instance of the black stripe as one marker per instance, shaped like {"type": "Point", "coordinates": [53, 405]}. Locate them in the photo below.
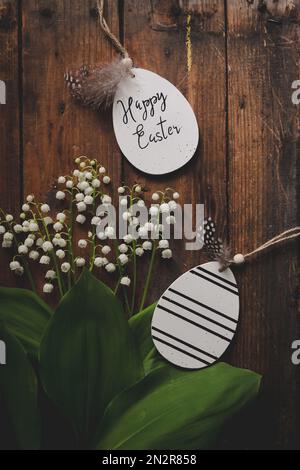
{"type": "Point", "coordinates": [194, 323]}
{"type": "Point", "coordinates": [184, 342]}
{"type": "Point", "coordinates": [201, 304]}
{"type": "Point", "coordinates": [214, 282]}
{"type": "Point", "coordinates": [233, 284]}
{"type": "Point", "coordinates": [180, 350]}
{"type": "Point", "coordinates": [198, 314]}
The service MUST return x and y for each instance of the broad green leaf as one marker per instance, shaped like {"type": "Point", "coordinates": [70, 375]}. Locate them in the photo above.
{"type": "Point", "coordinates": [141, 327]}
{"type": "Point", "coordinates": [18, 390]}
{"type": "Point", "coordinates": [88, 354]}
{"type": "Point", "coordinates": [25, 316]}
{"type": "Point", "coordinates": [176, 409]}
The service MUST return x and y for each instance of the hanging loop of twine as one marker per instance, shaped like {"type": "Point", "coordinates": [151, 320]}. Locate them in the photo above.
{"type": "Point", "coordinates": [239, 258]}
{"type": "Point", "coordinates": [105, 28]}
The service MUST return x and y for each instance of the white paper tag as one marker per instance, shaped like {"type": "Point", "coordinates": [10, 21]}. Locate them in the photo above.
{"type": "Point", "coordinates": [196, 318]}
{"type": "Point", "coordinates": [155, 126]}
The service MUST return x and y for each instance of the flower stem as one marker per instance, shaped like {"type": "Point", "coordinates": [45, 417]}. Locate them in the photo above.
{"type": "Point", "coordinates": [121, 274]}
{"type": "Point", "coordinates": [93, 244]}
{"type": "Point", "coordinates": [70, 242]}
{"type": "Point", "coordinates": [148, 278]}
{"type": "Point", "coordinates": [117, 286]}
{"type": "Point", "coordinates": [93, 251]}
{"type": "Point", "coordinates": [29, 275]}
{"type": "Point", "coordinates": [26, 266]}
{"type": "Point", "coordinates": [134, 261]}
{"type": "Point", "coordinates": [134, 279]}
{"type": "Point", "coordinates": [58, 273]}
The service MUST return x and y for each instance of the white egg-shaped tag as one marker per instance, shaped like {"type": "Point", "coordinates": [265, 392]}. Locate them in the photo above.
{"type": "Point", "coordinates": [196, 318]}
{"type": "Point", "coordinates": [155, 126]}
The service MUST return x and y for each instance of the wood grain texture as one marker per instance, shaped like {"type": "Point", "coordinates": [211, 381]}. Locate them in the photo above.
{"type": "Point", "coordinates": [56, 129]}
{"type": "Point", "coordinates": [235, 62]}
{"type": "Point", "coordinates": [189, 52]}
{"type": "Point", "coordinates": [263, 48]}
{"type": "Point", "coordinates": [10, 154]}
{"type": "Point", "coordinates": [60, 36]}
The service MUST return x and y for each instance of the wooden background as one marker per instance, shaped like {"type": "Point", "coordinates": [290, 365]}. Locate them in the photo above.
{"type": "Point", "coordinates": [236, 68]}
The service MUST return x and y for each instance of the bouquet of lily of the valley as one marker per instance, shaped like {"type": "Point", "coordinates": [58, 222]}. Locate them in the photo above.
{"type": "Point", "coordinates": [86, 375]}
{"type": "Point", "coordinates": [83, 232]}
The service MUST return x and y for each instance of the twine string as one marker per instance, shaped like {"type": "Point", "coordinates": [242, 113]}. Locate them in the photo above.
{"type": "Point", "coordinates": [105, 28]}
{"type": "Point", "coordinates": [282, 237]}
{"type": "Point", "coordinates": [227, 261]}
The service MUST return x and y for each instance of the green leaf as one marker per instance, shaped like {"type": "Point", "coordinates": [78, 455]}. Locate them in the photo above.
{"type": "Point", "coordinates": [175, 409]}
{"type": "Point", "coordinates": [18, 390]}
{"type": "Point", "coordinates": [25, 316]}
{"type": "Point", "coordinates": [141, 328]}
{"type": "Point", "coordinates": [88, 354]}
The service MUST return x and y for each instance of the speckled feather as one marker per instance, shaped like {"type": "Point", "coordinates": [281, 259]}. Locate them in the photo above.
{"type": "Point", "coordinates": [96, 86]}
{"type": "Point", "coordinates": [213, 245]}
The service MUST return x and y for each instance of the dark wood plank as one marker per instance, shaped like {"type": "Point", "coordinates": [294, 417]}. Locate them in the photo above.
{"type": "Point", "coordinates": [10, 157]}
{"type": "Point", "coordinates": [184, 43]}
{"type": "Point", "coordinates": [263, 48]}
{"type": "Point", "coordinates": [60, 36]}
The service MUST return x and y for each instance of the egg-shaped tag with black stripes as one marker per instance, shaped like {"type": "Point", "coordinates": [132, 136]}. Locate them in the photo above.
{"type": "Point", "coordinates": [196, 318]}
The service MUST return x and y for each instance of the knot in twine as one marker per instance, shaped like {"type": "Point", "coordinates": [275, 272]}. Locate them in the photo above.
{"type": "Point", "coordinates": [226, 259]}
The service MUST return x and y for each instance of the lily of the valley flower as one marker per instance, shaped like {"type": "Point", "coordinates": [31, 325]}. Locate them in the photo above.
{"type": "Point", "coordinates": [125, 281]}
{"type": "Point", "coordinates": [61, 217]}
{"type": "Point", "coordinates": [100, 261]}
{"type": "Point", "coordinates": [22, 249]}
{"type": "Point", "coordinates": [147, 245]}
{"type": "Point", "coordinates": [123, 258]}
{"type": "Point", "coordinates": [45, 208]}
{"type": "Point", "coordinates": [47, 246]}
{"type": "Point", "coordinates": [60, 254]}
{"type": "Point", "coordinates": [48, 288]}
{"type": "Point", "coordinates": [106, 249]}
{"type": "Point", "coordinates": [163, 244]}
{"type": "Point", "coordinates": [139, 251]}
{"type": "Point", "coordinates": [16, 267]}
{"type": "Point", "coordinates": [65, 267]}
{"type": "Point", "coordinates": [29, 242]}
{"type": "Point", "coordinates": [106, 179]}
{"type": "Point", "coordinates": [60, 195]}
{"type": "Point", "coordinates": [34, 255]}
{"type": "Point", "coordinates": [110, 267]}
{"type": "Point", "coordinates": [49, 240]}
{"type": "Point", "coordinates": [26, 208]}
{"type": "Point", "coordinates": [81, 206]}
{"type": "Point", "coordinates": [80, 219]}
{"type": "Point", "coordinates": [50, 274]}
{"type": "Point", "coordinates": [166, 254]}
{"type": "Point", "coordinates": [18, 228]}
{"type": "Point", "coordinates": [80, 262]}
{"type": "Point", "coordinates": [82, 243]}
